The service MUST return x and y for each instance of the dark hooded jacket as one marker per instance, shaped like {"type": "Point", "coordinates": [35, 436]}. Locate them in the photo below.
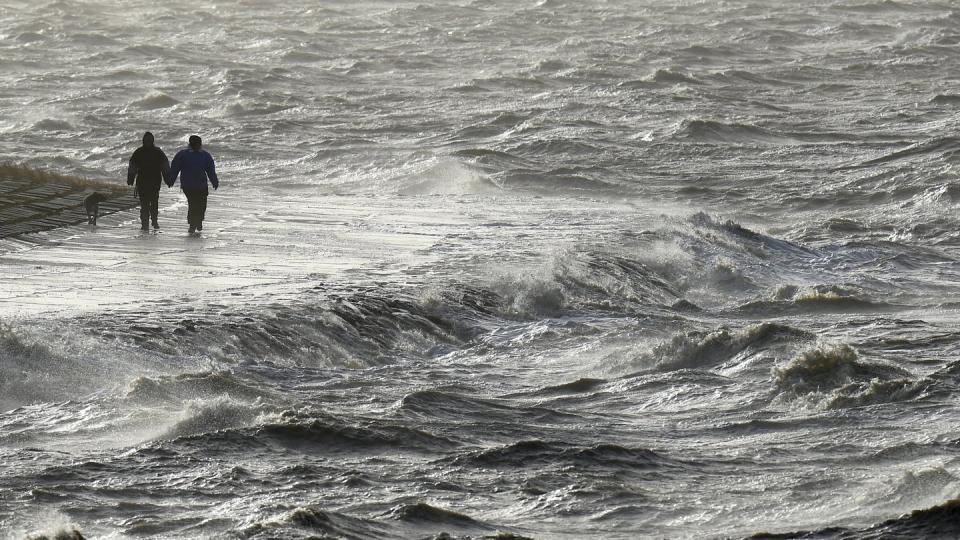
{"type": "Point", "coordinates": [149, 166]}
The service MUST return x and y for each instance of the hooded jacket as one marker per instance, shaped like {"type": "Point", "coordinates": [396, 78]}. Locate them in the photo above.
{"type": "Point", "coordinates": [148, 167]}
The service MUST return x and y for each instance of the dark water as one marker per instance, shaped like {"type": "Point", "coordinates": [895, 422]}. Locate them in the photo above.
{"type": "Point", "coordinates": [541, 269]}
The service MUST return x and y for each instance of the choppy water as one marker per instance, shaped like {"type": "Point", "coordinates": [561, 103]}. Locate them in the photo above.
{"type": "Point", "coordinates": [551, 269]}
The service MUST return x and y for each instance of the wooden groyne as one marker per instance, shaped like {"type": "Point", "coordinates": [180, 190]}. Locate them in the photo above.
{"type": "Point", "coordinates": [33, 200]}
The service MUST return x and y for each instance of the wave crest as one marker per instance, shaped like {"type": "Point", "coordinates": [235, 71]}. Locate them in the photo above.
{"type": "Point", "coordinates": [875, 392]}
{"type": "Point", "coordinates": [446, 177]}
{"type": "Point", "coordinates": [829, 367]}
{"type": "Point", "coordinates": [700, 350]}
{"type": "Point", "coordinates": [178, 388]}
{"type": "Point", "coordinates": [711, 131]}
{"type": "Point", "coordinates": [59, 534]}
{"type": "Point", "coordinates": [667, 76]}
{"type": "Point", "coordinates": [26, 376]}
{"type": "Point", "coordinates": [536, 453]}
{"type": "Point", "coordinates": [940, 521]}
{"type": "Point", "coordinates": [155, 101]}
{"type": "Point", "coordinates": [330, 435]}
{"type": "Point", "coordinates": [290, 524]}
{"type": "Point", "coordinates": [592, 280]}
{"type": "Point", "coordinates": [946, 99]}
{"type": "Point", "coordinates": [206, 416]}
{"type": "Point", "coordinates": [789, 299]}
{"type": "Point", "coordinates": [423, 512]}
{"type": "Point", "coordinates": [50, 124]}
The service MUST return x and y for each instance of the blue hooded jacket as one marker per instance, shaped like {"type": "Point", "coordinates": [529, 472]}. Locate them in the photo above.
{"type": "Point", "coordinates": [194, 168]}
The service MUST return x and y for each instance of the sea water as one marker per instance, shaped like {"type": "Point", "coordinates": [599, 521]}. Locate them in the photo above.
{"type": "Point", "coordinates": [548, 269]}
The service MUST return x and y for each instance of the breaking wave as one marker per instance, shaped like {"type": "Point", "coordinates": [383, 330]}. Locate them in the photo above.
{"type": "Point", "coordinates": [372, 326]}
{"type": "Point", "coordinates": [346, 329]}
{"type": "Point", "coordinates": [791, 299]}
{"type": "Point", "coordinates": [584, 281]}
{"type": "Point", "coordinates": [31, 371]}
{"type": "Point", "coordinates": [835, 377]}
{"type": "Point", "coordinates": [448, 177]}
{"type": "Point", "coordinates": [206, 416]}
{"type": "Point", "coordinates": [168, 389]}
{"type": "Point", "coordinates": [876, 391]}
{"type": "Point", "coordinates": [707, 350]}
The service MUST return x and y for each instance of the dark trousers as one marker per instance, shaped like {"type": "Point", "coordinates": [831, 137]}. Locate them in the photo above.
{"type": "Point", "coordinates": [196, 205]}
{"type": "Point", "coordinates": [149, 205]}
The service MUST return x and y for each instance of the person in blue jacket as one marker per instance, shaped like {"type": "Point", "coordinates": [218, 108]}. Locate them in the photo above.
{"type": "Point", "coordinates": [195, 167]}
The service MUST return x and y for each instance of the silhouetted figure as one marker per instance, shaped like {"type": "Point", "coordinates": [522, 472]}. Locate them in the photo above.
{"type": "Point", "coordinates": [149, 166]}
{"type": "Point", "coordinates": [195, 166]}
{"type": "Point", "coordinates": [91, 203]}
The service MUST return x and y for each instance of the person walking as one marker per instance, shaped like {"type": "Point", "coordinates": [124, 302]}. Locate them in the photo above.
{"type": "Point", "coordinates": [148, 168]}
{"type": "Point", "coordinates": [195, 167]}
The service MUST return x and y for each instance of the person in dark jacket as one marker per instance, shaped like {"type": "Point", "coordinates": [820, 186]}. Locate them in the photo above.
{"type": "Point", "coordinates": [195, 167]}
{"type": "Point", "coordinates": [149, 167]}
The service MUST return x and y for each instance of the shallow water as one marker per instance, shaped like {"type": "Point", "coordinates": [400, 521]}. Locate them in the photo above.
{"type": "Point", "coordinates": [617, 270]}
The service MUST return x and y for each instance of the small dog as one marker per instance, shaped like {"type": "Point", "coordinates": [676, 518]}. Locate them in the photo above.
{"type": "Point", "coordinates": [91, 203]}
